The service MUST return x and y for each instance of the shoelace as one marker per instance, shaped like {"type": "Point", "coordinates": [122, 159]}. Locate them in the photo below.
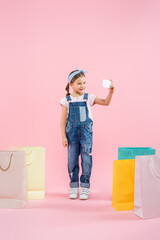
{"type": "Point", "coordinates": [73, 190]}
{"type": "Point", "coordinates": [85, 191]}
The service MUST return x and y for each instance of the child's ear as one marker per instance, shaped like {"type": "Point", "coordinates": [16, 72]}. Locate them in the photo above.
{"type": "Point", "coordinates": [70, 84]}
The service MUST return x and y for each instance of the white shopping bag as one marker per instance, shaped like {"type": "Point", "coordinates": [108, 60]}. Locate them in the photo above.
{"type": "Point", "coordinates": [147, 186]}
{"type": "Point", "coordinates": [13, 179]}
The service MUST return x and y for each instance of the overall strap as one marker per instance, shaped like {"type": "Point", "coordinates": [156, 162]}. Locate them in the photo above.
{"type": "Point", "coordinates": [85, 96]}
{"type": "Point", "coordinates": [68, 97]}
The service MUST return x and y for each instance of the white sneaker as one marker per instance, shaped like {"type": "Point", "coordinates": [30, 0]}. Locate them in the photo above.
{"type": "Point", "coordinates": [73, 193]}
{"type": "Point", "coordinates": [84, 193]}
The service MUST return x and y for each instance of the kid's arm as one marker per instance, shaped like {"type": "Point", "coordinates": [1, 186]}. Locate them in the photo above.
{"type": "Point", "coordinates": [107, 100]}
{"type": "Point", "coordinates": [63, 126]}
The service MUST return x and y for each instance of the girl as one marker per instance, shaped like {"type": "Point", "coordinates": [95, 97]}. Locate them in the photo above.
{"type": "Point", "coordinates": [76, 128]}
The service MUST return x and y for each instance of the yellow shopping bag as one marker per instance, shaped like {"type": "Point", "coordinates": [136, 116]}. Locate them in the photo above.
{"type": "Point", "coordinates": [35, 162]}
{"type": "Point", "coordinates": [123, 184]}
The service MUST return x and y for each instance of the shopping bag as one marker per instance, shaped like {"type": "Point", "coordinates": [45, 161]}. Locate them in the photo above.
{"type": "Point", "coordinates": [35, 162]}
{"type": "Point", "coordinates": [131, 153]}
{"type": "Point", "coordinates": [123, 184]}
{"type": "Point", "coordinates": [147, 186]}
{"type": "Point", "coordinates": [13, 179]}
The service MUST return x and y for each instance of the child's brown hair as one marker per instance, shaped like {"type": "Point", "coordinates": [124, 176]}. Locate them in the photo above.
{"type": "Point", "coordinates": [81, 74]}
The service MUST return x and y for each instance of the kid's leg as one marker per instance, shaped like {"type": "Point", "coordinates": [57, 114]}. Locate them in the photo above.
{"type": "Point", "coordinates": [86, 162]}
{"type": "Point", "coordinates": [73, 164]}
{"type": "Point", "coordinates": [86, 155]}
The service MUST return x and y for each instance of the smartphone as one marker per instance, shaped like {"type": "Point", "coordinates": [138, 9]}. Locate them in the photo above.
{"type": "Point", "coordinates": [106, 83]}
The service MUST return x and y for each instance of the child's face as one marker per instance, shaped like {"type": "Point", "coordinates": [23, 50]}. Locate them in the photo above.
{"type": "Point", "coordinates": [79, 85]}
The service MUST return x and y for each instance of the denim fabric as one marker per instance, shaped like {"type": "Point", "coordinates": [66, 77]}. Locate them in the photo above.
{"type": "Point", "coordinates": [79, 135]}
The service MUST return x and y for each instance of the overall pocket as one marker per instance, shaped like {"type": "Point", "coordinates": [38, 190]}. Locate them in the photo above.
{"type": "Point", "coordinates": [68, 127]}
{"type": "Point", "coordinates": [88, 126]}
{"type": "Point", "coordinates": [74, 114]}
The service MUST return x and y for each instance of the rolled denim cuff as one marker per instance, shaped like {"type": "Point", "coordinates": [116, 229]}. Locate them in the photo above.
{"type": "Point", "coordinates": [74, 184]}
{"type": "Point", "coordinates": [85, 185]}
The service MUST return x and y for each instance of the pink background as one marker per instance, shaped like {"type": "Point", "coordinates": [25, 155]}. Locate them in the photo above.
{"type": "Point", "coordinates": [42, 41]}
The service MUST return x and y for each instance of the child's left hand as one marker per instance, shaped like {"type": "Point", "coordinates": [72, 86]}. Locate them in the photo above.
{"type": "Point", "coordinates": [111, 89]}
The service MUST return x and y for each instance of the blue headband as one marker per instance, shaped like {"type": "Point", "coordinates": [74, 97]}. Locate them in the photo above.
{"type": "Point", "coordinates": [75, 73]}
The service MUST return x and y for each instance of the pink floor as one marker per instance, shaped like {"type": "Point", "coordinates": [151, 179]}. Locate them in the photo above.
{"type": "Point", "coordinates": [57, 217]}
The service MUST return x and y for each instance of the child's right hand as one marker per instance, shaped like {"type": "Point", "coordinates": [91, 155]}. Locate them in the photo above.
{"type": "Point", "coordinates": [65, 142]}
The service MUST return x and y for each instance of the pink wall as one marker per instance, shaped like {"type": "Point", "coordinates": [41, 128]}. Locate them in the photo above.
{"type": "Point", "coordinates": [42, 41]}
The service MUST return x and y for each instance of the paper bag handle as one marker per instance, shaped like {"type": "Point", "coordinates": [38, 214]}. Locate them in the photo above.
{"type": "Point", "coordinates": [28, 153]}
{"type": "Point", "coordinates": [8, 165]}
{"type": "Point", "coordinates": [157, 174]}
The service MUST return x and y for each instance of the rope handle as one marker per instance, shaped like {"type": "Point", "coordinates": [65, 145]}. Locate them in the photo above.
{"type": "Point", "coordinates": [8, 165]}
{"type": "Point", "coordinates": [27, 154]}
{"type": "Point", "coordinates": [29, 164]}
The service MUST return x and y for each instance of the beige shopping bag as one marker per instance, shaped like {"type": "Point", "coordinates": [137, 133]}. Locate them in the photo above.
{"type": "Point", "coordinates": [35, 162]}
{"type": "Point", "coordinates": [13, 179]}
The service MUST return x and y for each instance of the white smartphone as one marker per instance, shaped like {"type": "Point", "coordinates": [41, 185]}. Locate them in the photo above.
{"type": "Point", "coordinates": [106, 83]}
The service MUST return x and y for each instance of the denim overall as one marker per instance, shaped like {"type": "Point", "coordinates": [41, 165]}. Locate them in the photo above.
{"type": "Point", "coordinates": [79, 135]}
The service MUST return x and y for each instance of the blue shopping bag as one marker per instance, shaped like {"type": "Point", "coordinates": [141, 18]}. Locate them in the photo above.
{"type": "Point", "coordinates": [131, 153]}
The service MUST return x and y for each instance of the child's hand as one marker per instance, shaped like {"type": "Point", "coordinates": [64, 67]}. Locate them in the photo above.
{"type": "Point", "coordinates": [111, 89]}
{"type": "Point", "coordinates": [65, 142]}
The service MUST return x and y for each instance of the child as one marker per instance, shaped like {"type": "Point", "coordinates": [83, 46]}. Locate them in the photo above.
{"type": "Point", "coordinates": [76, 128]}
